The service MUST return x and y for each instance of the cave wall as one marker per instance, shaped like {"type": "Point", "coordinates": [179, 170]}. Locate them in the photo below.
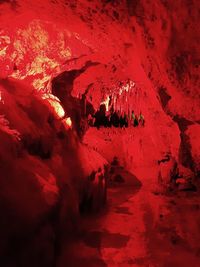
{"type": "Point", "coordinates": [168, 42]}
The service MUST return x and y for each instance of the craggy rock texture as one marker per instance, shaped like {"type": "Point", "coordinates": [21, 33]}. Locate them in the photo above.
{"type": "Point", "coordinates": [142, 53]}
{"type": "Point", "coordinates": [44, 178]}
{"type": "Point", "coordinates": [168, 38]}
{"type": "Point", "coordinates": [193, 141]}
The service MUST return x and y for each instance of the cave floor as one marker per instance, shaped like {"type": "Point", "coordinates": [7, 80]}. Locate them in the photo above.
{"type": "Point", "coordinates": [139, 227]}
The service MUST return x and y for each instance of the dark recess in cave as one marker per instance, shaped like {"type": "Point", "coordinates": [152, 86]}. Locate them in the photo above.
{"type": "Point", "coordinates": [185, 155]}
{"type": "Point", "coordinates": [164, 96]}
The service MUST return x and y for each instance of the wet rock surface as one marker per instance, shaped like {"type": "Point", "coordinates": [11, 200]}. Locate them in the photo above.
{"type": "Point", "coordinates": [139, 229]}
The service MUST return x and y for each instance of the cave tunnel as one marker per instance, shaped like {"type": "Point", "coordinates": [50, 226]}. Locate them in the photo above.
{"type": "Point", "coordinates": [99, 133]}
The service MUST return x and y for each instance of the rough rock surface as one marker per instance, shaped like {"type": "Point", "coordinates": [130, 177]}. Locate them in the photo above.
{"type": "Point", "coordinates": [44, 172]}
{"type": "Point", "coordinates": [193, 133]}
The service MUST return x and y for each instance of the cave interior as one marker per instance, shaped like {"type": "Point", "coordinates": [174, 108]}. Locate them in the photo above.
{"type": "Point", "coordinates": [99, 133]}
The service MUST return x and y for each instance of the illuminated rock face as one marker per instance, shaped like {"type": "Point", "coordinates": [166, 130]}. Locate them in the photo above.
{"type": "Point", "coordinates": [153, 44]}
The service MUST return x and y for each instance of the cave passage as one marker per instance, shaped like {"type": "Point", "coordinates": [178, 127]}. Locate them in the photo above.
{"type": "Point", "coordinates": [99, 133]}
{"type": "Point", "coordinates": [138, 227]}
